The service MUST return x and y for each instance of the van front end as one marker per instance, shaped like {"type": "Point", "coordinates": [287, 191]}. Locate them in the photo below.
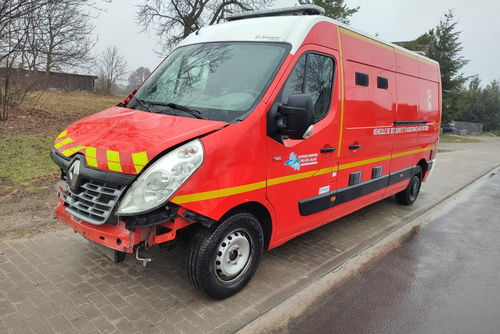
{"type": "Point", "coordinates": [125, 211]}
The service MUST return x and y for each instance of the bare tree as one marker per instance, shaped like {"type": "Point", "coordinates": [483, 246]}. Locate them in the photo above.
{"type": "Point", "coordinates": [13, 38]}
{"type": "Point", "coordinates": [111, 67]}
{"type": "Point", "coordinates": [39, 35]}
{"type": "Point", "coordinates": [137, 77]}
{"type": "Point", "coordinates": [175, 19]}
{"type": "Point", "coordinates": [60, 35]}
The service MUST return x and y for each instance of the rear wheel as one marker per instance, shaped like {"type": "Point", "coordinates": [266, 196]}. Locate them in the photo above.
{"type": "Point", "coordinates": [222, 259]}
{"type": "Point", "coordinates": [410, 194]}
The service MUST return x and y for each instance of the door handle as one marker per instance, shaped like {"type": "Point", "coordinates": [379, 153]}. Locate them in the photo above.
{"type": "Point", "coordinates": [354, 146]}
{"type": "Point", "coordinates": [328, 149]}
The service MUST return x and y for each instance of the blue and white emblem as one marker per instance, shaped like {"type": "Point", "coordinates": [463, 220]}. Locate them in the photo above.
{"type": "Point", "coordinates": [293, 161]}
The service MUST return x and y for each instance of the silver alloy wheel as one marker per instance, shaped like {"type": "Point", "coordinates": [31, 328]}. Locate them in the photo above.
{"type": "Point", "coordinates": [233, 255]}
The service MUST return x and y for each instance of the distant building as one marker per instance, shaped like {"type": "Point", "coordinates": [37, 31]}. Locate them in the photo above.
{"type": "Point", "coordinates": [58, 81]}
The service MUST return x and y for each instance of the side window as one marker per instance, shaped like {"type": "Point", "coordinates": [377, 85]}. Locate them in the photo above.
{"type": "Point", "coordinates": [313, 75]}
{"type": "Point", "coordinates": [382, 83]}
{"type": "Point", "coordinates": [362, 79]}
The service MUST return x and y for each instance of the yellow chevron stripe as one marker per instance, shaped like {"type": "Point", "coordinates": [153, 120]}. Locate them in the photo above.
{"type": "Point", "coordinates": [140, 160]}
{"type": "Point", "coordinates": [92, 162]}
{"type": "Point", "coordinates": [182, 199]}
{"type": "Point", "coordinates": [91, 156]}
{"type": "Point", "coordinates": [70, 151]}
{"type": "Point", "coordinates": [63, 142]}
{"type": "Point", "coordinates": [62, 134]}
{"type": "Point", "coordinates": [91, 152]}
{"type": "Point", "coordinates": [113, 158]}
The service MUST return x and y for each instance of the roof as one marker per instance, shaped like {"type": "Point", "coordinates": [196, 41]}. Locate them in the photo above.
{"type": "Point", "coordinates": [288, 29]}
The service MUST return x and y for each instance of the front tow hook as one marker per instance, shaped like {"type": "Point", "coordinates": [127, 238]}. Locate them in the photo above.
{"type": "Point", "coordinates": [144, 261]}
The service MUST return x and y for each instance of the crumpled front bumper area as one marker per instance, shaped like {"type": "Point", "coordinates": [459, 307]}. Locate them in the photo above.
{"type": "Point", "coordinates": [113, 236]}
{"type": "Point", "coordinates": [121, 238]}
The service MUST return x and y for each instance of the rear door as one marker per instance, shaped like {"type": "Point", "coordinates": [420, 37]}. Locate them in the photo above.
{"type": "Point", "coordinates": [298, 171]}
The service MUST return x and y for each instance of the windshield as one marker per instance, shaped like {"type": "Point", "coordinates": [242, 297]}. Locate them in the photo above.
{"type": "Point", "coordinates": [218, 81]}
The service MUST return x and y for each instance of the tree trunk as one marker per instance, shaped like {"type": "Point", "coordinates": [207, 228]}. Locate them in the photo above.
{"type": "Point", "coordinates": [4, 112]}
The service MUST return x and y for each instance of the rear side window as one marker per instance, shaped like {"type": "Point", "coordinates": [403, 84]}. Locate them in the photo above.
{"type": "Point", "coordinates": [313, 75]}
{"type": "Point", "coordinates": [362, 79]}
{"type": "Point", "coordinates": [382, 83]}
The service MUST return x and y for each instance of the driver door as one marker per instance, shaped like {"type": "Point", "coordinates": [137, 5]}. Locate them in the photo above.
{"type": "Point", "coordinates": [302, 173]}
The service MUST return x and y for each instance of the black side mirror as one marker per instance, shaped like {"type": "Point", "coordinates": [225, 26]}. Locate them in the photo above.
{"type": "Point", "coordinates": [296, 116]}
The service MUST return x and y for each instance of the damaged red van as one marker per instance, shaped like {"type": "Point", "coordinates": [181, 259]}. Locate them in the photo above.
{"type": "Point", "coordinates": [250, 133]}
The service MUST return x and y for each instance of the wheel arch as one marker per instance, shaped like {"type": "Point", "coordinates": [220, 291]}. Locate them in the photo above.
{"type": "Point", "coordinates": [425, 167]}
{"type": "Point", "coordinates": [261, 213]}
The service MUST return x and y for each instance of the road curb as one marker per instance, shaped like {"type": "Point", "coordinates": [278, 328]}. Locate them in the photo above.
{"type": "Point", "coordinates": [277, 317]}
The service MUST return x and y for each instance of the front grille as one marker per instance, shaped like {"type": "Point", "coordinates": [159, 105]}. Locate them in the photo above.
{"type": "Point", "coordinates": [92, 201]}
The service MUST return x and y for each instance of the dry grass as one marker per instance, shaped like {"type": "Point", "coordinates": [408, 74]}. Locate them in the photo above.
{"type": "Point", "coordinates": [82, 103]}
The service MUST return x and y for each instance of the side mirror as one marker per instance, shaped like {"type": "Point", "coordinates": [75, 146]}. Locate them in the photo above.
{"type": "Point", "coordinates": [296, 116]}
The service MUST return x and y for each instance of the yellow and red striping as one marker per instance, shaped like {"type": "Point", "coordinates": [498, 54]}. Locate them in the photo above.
{"type": "Point", "coordinates": [122, 162]}
{"type": "Point", "coordinates": [133, 163]}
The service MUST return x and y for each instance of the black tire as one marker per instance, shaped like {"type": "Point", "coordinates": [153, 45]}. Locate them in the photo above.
{"type": "Point", "coordinates": [226, 240]}
{"type": "Point", "coordinates": [410, 194]}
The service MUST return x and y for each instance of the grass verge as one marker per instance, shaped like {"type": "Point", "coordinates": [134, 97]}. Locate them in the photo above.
{"type": "Point", "coordinates": [70, 103]}
{"type": "Point", "coordinates": [24, 159]}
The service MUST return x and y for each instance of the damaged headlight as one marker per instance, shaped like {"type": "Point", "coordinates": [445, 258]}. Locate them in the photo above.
{"type": "Point", "coordinates": [160, 180]}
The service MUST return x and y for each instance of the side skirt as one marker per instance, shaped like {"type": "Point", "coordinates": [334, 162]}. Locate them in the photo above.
{"type": "Point", "coordinates": [328, 200]}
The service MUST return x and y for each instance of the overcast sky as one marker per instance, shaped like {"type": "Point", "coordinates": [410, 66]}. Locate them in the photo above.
{"type": "Point", "coordinates": [393, 20]}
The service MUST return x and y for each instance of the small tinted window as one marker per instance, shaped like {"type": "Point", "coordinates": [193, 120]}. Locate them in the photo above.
{"type": "Point", "coordinates": [313, 75]}
{"type": "Point", "coordinates": [382, 83]}
{"type": "Point", "coordinates": [362, 79]}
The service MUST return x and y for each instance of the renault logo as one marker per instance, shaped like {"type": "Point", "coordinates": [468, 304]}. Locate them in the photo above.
{"type": "Point", "coordinates": [74, 175]}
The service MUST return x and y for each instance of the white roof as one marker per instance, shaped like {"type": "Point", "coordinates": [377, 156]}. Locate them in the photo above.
{"type": "Point", "coordinates": [288, 29]}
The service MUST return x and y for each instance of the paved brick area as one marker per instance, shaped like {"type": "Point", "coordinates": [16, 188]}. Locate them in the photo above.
{"type": "Point", "coordinates": [57, 282]}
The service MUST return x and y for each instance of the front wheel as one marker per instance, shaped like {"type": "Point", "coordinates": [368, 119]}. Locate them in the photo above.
{"type": "Point", "coordinates": [410, 194]}
{"type": "Point", "coordinates": [222, 259]}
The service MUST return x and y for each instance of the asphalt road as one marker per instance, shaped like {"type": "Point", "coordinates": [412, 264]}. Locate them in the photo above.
{"type": "Point", "coordinates": [446, 279]}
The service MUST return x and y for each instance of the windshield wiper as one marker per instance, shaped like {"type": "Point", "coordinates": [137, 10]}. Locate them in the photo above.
{"type": "Point", "coordinates": [143, 103]}
{"type": "Point", "coordinates": [194, 112]}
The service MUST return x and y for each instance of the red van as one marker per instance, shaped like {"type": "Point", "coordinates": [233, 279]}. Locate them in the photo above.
{"type": "Point", "coordinates": [250, 133]}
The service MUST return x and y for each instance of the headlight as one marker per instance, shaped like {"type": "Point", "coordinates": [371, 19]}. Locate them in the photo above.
{"type": "Point", "coordinates": [160, 180]}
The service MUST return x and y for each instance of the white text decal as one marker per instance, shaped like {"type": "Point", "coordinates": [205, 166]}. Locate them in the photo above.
{"type": "Point", "coordinates": [403, 129]}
